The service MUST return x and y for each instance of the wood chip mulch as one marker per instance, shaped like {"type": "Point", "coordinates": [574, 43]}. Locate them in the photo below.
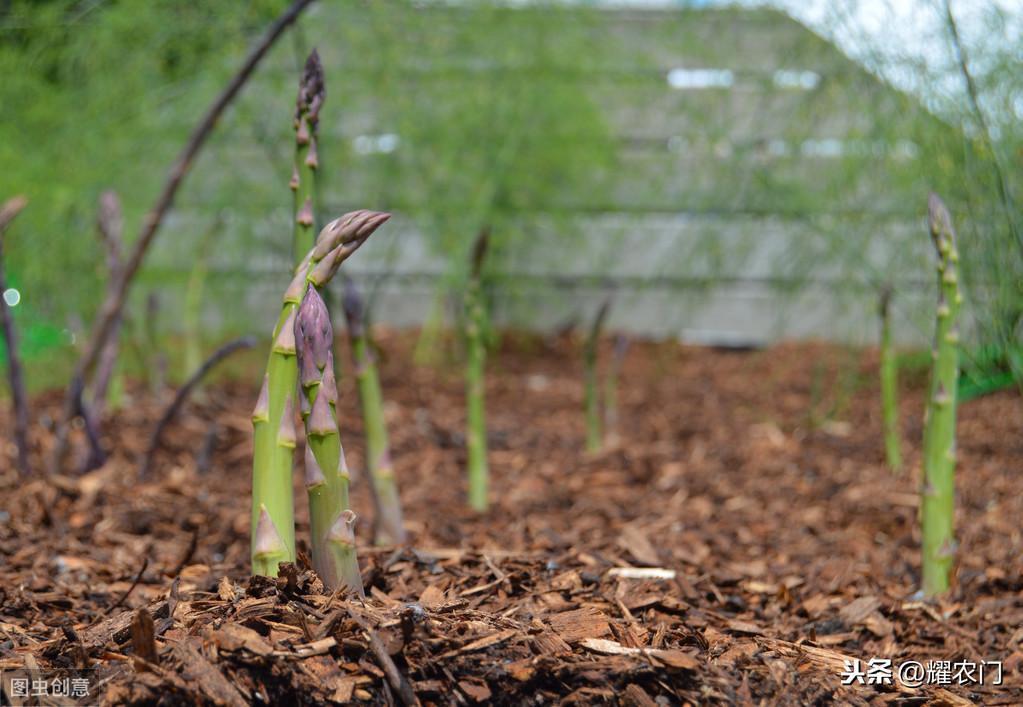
{"type": "Point", "coordinates": [740, 543]}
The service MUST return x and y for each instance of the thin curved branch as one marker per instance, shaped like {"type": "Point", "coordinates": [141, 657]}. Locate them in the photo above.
{"type": "Point", "coordinates": [112, 305]}
{"type": "Point", "coordinates": [246, 342]}
{"type": "Point", "coordinates": [9, 210]}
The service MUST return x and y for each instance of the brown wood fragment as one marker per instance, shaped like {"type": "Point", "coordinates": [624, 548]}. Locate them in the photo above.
{"type": "Point", "coordinates": [486, 642]}
{"type": "Point", "coordinates": [574, 626]}
{"type": "Point", "coordinates": [550, 643]}
{"type": "Point", "coordinates": [477, 690]}
{"type": "Point", "coordinates": [318, 647]}
{"type": "Point", "coordinates": [635, 696]}
{"type": "Point", "coordinates": [205, 677]}
{"type": "Point", "coordinates": [857, 610]}
{"type": "Point", "coordinates": [737, 626]}
{"type": "Point", "coordinates": [235, 637]}
{"type": "Point", "coordinates": [117, 629]}
{"type": "Point", "coordinates": [670, 657]}
{"type": "Point", "coordinates": [637, 544]}
{"type": "Point", "coordinates": [432, 597]}
{"type": "Point", "coordinates": [143, 637]}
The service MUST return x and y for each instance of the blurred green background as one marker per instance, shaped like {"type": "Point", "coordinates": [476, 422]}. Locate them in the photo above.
{"type": "Point", "coordinates": [731, 175]}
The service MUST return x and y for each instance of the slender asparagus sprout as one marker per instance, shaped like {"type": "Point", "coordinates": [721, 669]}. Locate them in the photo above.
{"type": "Point", "coordinates": [106, 386]}
{"type": "Point", "coordinates": [311, 94]}
{"type": "Point", "coordinates": [475, 339]}
{"type": "Point", "coordinates": [611, 390]}
{"type": "Point", "coordinates": [387, 523]}
{"type": "Point", "coordinates": [9, 210]}
{"type": "Point", "coordinates": [889, 386]}
{"type": "Point", "coordinates": [273, 520]}
{"type": "Point", "coordinates": [594, 440]}
{"type": "Point", "coordinates": [938, 493]}
{"type": "Point", "coordinates": [331, 520]}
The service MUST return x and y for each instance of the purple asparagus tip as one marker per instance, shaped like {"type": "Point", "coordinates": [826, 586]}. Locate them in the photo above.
{"type": "Point", "coordinates": [940, 223]}
{"type": "Point", "coordinates": [313, 333]}
{"type": "Point", "coordinates": [352, 303]}
{"type": "Point", "coordinates": [312, 90]}
{"type": "Point", "coordinates": [353, 227]}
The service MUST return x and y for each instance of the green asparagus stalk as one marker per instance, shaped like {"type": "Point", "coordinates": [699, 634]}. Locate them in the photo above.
{"type": "Point", "coordinates": [330, 519]}
{"type": "Point", "coordinates": [889, 386]}
{"type": "Point", "coordinates": [388, 528]}
{"type": "Point", "coordinates": [611, 390]}
{"type": "Point", "coordinates": [594, 440]}
{"type": "Point", "coordinates": [273, 520]}
{"type": "Point", "coordinates": [311, 94]}
{"type": "Point", "coordinates": [938, 493]}
{"type": "Point", "coordinates": [475, 339]}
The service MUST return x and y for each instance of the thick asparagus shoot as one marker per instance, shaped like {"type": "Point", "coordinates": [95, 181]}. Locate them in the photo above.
{"type": "Point", "coordinates": [387, 524]}
{"type": "Point", "coordinates": [475, 340]}
{"type": "Point", "coordinates": [889, 387]}
{"type": "Point", "coordinates": [594, 439]}
{"type": "Point", "coordinates": [311, 94]}
{"type": "Point", "coordinates": [273, 521]}
{"type": "Point", "coordinates": [330, 519]}
{"type": "Point", "coordinates": [938, 493]}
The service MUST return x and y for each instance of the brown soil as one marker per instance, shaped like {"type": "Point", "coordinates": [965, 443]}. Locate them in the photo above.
{"type": "Point", "coordinates": [758, 478]}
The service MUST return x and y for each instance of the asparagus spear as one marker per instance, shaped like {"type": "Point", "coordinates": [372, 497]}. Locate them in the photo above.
{"type": "Point", "coordinates": [387, 526]}
{"type": "Point", "coordinates": [475, 335]}
{"type": "Point", "coordinates": [592, 394]}
{"type": "Point", "coordinates": [938, 493]}
{"type": "Point", "coordinates": [311, 94]}
{"type": "Point", "coordinates": [611, 390]}
{"type": "Point", "coordinates": [889, 386]}
{"type": "Point", "coordinates": [273, 521]}
{"type": "Point", "coordinates": [331, 521]}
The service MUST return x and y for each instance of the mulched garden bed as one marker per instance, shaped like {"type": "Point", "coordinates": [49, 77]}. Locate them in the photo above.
{"type": "Point", "coordinates": [755, 481]}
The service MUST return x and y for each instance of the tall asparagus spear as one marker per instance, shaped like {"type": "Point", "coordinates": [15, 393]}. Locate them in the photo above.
{"type": "Point", "coordinates": [331, 520]}
{"type": "Point", "coordinates": [311, 94]}
{"type": "Point", "coordinates": [889, 386]}
{"type": "Point", "coordinates": [592, 393]}
{"type": "Point", "coordinates": [475, 339]}
{"type": "Point", "coordinates": [938, 493]}
{"type": "Point", "coordinates": [273, 520]}
{"type": "Point", "coordinates": [387, 524]}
